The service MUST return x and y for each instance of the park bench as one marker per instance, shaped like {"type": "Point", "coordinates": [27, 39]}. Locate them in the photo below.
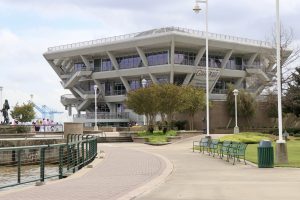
{"type": "Point", "coordinates": [232, 148]}
{"type": "Point", "coordinates": [202, 144]}
{"type": "Point", "coordinates": [214, 146]}
{"type": "Point", "coordinates": [238, 152]}
{"type": "Point", "coordinates": [224, 147]}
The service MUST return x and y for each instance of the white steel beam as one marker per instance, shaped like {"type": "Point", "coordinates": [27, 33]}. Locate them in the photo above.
{"type": "Point", "coordinates": [187, 79]}
{"type": "Point", "coordinates": [58, 70]}
{"type": "Point", "coordinates": [113, 60]}
{"type": "Point", "coordinates": [153, 78]}
{"type": "Point", "coordinates": [85, 61]}
{"type": "Point", "coordinates": [142, 56]}
{"type": "Point", "coordinates": [69, 66]}
{"type": "Point", "coordinates": [251, 59]}
{"type": "Point", "coordinates": [125, 83]}
{"type": "Point", "coordinates": [199, 56]}
{"type": "Point", "coordinates": [226, 59]}
{"type": "Point", "coordinates": [239, 82]}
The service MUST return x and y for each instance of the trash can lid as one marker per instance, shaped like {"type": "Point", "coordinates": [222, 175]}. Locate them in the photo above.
{"type": "Point", "coordinates": [265, 143]}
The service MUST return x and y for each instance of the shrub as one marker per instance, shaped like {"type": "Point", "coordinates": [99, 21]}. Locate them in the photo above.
{"type": "Point", "coordinates": [22, 129]}
{"type": "Point", "coordinates": [247, 137]}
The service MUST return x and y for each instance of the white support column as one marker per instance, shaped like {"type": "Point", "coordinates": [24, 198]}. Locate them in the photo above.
{"type": "Point", "coordinates": [86, 62]}
{"type": "Point", "coordinates": [199, 56]}
{"type": "Point", "coordinates": [113, 60]}
{"type": "Point", "coordinates": [125, 83]}
{"type": "Point", "coordinates": [153, 78]}
{"type": "Point", "coordinates": [69, 66]}
{"type": "Point", "coordinates": [252, 59]}
{"type": "Point", "coordinates": [187, 79]}
{"type": "Point", "coordinates": [172, 57]}
{"type": "Point", "coordinates": [59, 61]}
{"type": "Point", "coordinates": [101, 92]}
{"type": "Point", "coordinates": [142, 56]}
{"type": "Point", "coordinates": [226, 59]}
{"type": "Point", "coordinates": [64, 62]}
{"type": "Point", "coordinates": [58, 70]}
{"type": "Point", "coordinates": [239, 82]}
{"type": "Point", "coordinates": [145, 62]}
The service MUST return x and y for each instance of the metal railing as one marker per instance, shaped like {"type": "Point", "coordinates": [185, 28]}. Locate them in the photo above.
{"type": "Point", "coordinates": [161, 31]}
{"type": "Point", "coordinates": [103, 115]}
{"type": "Point", "coordinates": [26, 164]}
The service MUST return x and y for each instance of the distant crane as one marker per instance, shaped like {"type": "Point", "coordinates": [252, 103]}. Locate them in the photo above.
{"type": "Point", "coordinates": [47, 113]}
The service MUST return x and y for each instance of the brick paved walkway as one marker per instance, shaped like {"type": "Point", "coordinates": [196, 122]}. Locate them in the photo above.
{"type": "Point", "coordinates": [122, 170]}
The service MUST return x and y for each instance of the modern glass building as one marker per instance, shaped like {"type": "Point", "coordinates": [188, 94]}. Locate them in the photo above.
{"type": "Point", "coordinates": [165, 55]}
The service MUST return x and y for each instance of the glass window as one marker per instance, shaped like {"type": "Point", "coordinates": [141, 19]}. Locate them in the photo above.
{"type": "Point", "coordinates": [79, 66]}
{"type": "Point", "coordinates": [129, 62]}
{"type": "Point", "coordinates": [135, 84]}
{"type": "Point", "coordinates": [157, 58]}
{"type": "Point", "coordinates": [106, 65]}
{"type": "Point", "coordinates": [184, 58]}
{"type": "Point", "coordinates": [97, 65]}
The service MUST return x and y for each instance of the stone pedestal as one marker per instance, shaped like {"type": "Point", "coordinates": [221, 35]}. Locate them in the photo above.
{"type": "Point", "coordinates": [236, 130]}
{"type": "Point", "coordinates": [281, 152]}
{"type": "Point", "coordinates": [72, 128]}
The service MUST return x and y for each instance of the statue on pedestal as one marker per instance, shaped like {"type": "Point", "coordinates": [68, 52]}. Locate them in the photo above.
{"type": "Point", "coordinates": [5, 112]}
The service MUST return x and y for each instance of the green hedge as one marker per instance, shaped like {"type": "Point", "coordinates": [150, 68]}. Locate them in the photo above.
{"type": "Point", "coordinates": [247, 137]}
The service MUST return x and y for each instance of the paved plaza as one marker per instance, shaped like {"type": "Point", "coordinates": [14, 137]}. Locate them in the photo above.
{"type": "Point", "coordinates": [144, 172]}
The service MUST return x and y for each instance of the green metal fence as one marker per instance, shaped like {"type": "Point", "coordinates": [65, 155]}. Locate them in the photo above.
{"type": "Point", "coordinates": [25, 164]}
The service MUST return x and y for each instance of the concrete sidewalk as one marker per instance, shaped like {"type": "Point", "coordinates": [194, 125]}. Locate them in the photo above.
{"type": "Point", "coordinates": [195, 176]}
{"type": "Point", "coordinates": [122, 171]}
{"type": "Point", "coordinates": [199, 176]}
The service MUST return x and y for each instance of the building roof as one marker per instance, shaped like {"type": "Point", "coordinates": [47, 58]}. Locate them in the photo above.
{"type": "Point", "coordinates": [157, 32]}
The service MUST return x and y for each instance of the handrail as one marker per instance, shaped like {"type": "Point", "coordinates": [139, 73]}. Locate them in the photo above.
{"type": "Point", "coordinates": [68, 157]}
{"type": "Point", "coordinates": [160, 31]}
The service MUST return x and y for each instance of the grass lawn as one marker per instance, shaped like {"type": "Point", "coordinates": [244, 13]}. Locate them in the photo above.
{"type": "Point", "coordinates": [293, 146]}
{"type": "Point", "coordinates": [252, 139]}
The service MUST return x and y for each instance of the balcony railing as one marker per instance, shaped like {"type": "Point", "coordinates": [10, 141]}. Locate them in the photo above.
{"type": "Point", "coordinates": [161, 31]}
{"type": "Point", "coordinates": [103, 115]}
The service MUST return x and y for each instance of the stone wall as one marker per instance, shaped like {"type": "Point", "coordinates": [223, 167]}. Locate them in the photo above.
{"type": "Point", "coordinates": [219, 117]}
{"type": "Point", "coordinates": [72, 128]}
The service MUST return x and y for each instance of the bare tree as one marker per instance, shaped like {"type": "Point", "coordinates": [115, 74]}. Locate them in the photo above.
{"type": "Point", "coordinates": [289, 54]}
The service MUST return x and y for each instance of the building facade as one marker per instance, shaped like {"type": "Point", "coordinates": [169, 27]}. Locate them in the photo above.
{"type": "Point", "coordinates": [165, 55]}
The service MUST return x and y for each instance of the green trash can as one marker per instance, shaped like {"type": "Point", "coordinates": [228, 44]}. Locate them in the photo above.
{"type": "Point", "coordinates": [265, 153]}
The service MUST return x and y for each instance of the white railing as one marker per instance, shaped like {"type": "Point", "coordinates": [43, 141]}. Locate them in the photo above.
{"type": "Point", "coordinates": [159, 31]}
{"type": "Point", "coordinates": [103, 115]}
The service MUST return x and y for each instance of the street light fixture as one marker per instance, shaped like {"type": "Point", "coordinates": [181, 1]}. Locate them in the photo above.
{"type": "Point", "coordinates": [197, 9]}
{"type": "Point", "coordinates": [235, 93]}
{"type": "Point", "coordinates": [95, 127]}
{"type": "Point", "coordinates": [144, 83]}
{"type": "Point", "coordinates": [281, 147]}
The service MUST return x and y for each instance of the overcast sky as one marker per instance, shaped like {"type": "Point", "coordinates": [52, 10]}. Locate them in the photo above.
{"type": "Point", "coordinates": [29, 27]}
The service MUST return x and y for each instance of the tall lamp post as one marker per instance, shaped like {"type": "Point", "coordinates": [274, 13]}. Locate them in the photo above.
{"type": "Point", "coordinates": [95, 127]}
{"type": "Point", "coordinates": [281, 148]}
{"type": "Point", "coordinates": [144, 83]}
{"type": "Point", "coordinates": [197, 9]}
{"type": "Point", "coordinates": [1, 88]}
{"type": "Point", "coordinates": [235, 93]}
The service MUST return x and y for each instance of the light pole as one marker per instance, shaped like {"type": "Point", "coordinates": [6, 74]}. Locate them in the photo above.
{"type": "Point", "coordinates": [235, 93]}
{"type": "Point", "coordinates": [1, 88]}
{"type": "Point", "coordinates": [95, 127]}
{"type": "Point", "coordinates": [144, 83]}
{"type": "Point", "coordinates": [197, 9]}
{"type": "Point", "coordinates": [281, 148]}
